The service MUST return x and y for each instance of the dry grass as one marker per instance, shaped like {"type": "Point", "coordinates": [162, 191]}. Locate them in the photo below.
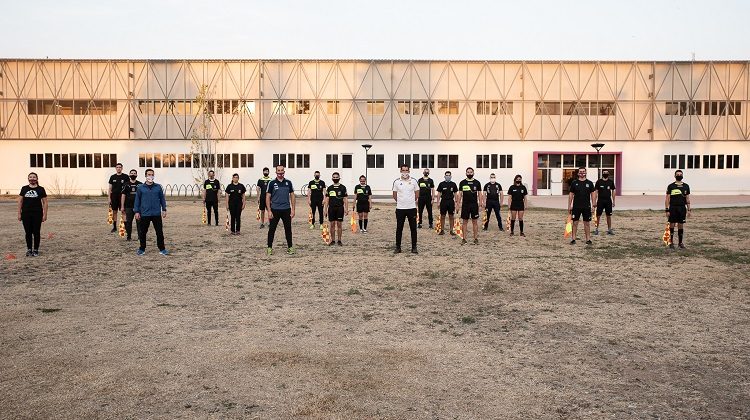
{"type": "Point", "coordinates": [513, 328]}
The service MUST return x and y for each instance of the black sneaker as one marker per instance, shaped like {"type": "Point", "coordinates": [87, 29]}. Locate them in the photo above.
{"type": "Point", "coordinates": [511, 233]}
{"type": "Point", "coordinates": [29, 253]}
{"type": "Point", "coordinates": [441, 232]}
{"type": "Point", "coordinates": [484, 228]}
{"type": "Point", "coordinates": [339, 243]}
{"type": "Point", "coordinates": [114, 229]}
{"type": "Point", "coordinates": [523, 234]}
{"type": "Point", "coordinates": [463, 241]}
{"type": "Point", "coordinates": [35, 253]}
{"type": "Point", "coordinates": [596, 232]}
{"type": "Point", "coordinates": [681, 245]}
{"type": "Point", "coordinates": [453, 233]}
{"type": "Point", "coordinates": [589, 242]}
{"type": "Point", "coordinates": [414, 251]}
{"type": "Point", "coordinates": [419, 226]}
{"type": "Point", "coordinates": [476, 241]}
{"type": "Point", "coordinates": [431, 227]}
{"type": "Point", "coordinates": [573, 242]}
{"type": "Point", "coordinates": [261, 226]}
{"type": "Point", "coordinates": [397, 251]}
{"type": "Point", "coordinates": [671, 246]}
{"type": "Point", "coordinates": [332, 243]}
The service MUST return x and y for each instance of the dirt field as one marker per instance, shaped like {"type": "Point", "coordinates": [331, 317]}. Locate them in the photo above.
{"type": "Point", "coordinates": [512, 328]}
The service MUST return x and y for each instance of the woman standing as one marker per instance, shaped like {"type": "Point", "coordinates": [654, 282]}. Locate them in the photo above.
{"type": "Point", "coordinates": [235, 203]}
{"type": "Point", "coordinates": [517, 203]}
{"type": "Point", "coordinates": [32, 211]}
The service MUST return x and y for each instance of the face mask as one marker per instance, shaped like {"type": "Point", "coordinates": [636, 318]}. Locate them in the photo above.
{"type": "Point", "coordinates": [469, 176]}
{"type": "Point", "coordinates": [265, 173]}
{"type": "Point", "coordinates": [518, 182]}
{"type": "Point", "coordinates": [150, 178]}
{"type": "Point", "coordinates": [448, 178]}
{"type": "Point", "coordinates": [33, 181]}
{"type": "Point", "coordinates": [605, 176]}
{"type": "Point", "coordinates": [426, 174]}
{"type": "Point", "coordinates": [317, 176]}
{"type": "Point", "coordinates": [133, 177]}
{"type": "Point", "coordinates": [336, 180]}
{"type": "Point", "coordinates": [405, 175]}
{"type": "Point", "coordinates": [279, 175]}
{"type": "Point", "coordinates": [678, 177]}
{"type": "Point", "coordinates": [492, 180]}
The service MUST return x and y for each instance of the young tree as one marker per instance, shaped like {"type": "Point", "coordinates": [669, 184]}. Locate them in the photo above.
{"type": "Point", "coordinates": [202, 143]}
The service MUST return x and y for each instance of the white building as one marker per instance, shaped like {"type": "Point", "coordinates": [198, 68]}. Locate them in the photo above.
{"type": "Point", "coordinates": [71, 120]}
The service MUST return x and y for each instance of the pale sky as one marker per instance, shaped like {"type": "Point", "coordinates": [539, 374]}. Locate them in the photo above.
{"type": "Point", "coordinates": [378, 29]}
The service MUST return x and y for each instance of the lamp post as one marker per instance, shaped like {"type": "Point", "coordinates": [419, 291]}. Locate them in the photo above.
{"type": "Point", "coordinates": [367, 149]}
{"type": "Point", "coordinates": [598, 147]}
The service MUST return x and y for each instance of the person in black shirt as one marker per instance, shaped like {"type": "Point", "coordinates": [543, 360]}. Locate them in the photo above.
{"type": "Point", "coordinates": [581, 198]}
{"type": "Point", "coordinates": [315, 190]}
{"type": "Point", "coordinates": [116, 182]}
{"type": "Point", "coordinates": [362, 202]}
{"type": "Point", "coordinates": [235, 203]}
{"type": "Point", "coordinates": [426, 193]}
{"type": "Point", "coordinates": [446, 196]}
{"type": "Point", "coordinates": [470, 199]}
{"type": "Point", "coordinates": [517, 203]}
{"type": "Point", "coordinates": [32, 211]}
{"type": "Point", "coordinates": [493, 193]}
{"type": "Point", "coordinates": [336, 206]}
{"type": "Point", "coordinates": [211, 188]}
{"type": "Point", "coordinates": [677, 206]}
{"type": "Point", "coordinates": [128, 200]}
{"type": "Point", "coordinates": [262, 189]}
{"type": "Point", "coordinates": [605, 201]}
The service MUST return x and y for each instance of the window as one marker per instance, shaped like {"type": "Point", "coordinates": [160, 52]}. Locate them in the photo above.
{"type": "Point", "coordinates": [332, 161]}
{"type": "Point", "coordinates": [68, 107]}
{"type": "Point", "coordinates": [279, 159]}
{"type": "Point", "coordinates": [207, 161]}
{"type": "Point", "coordinates": [404, 160]}
{"type": "Point", "coordinates": [504, 161]}
{"type": "Point", "coordinates": [494, 107]}
{"type": "Point", "coordinates": [483, 161]}
{"type": "Point", "coordinates": [733, 161]}
{"type": "Point", "coordinates": [414, 107]}
{"type": "Point", "coordinates": [555, 161]}
{"type": "Point", "coordinates": [542, 161]}
{"type": "Point", "coordinates": [446, 107]}
{"type": "Point", "coordinates": [375, 107]}
{"type": "Point", "coordinates": [36, 160]}
{"type": "Point", "coordinates": [568, 161]}
{"type": "Point", "coordinates": [333, 107]}
{"type": "Point", "coordinates": [703, 108]}
{"type": "Point", "coordinates": [428, 161]}
{"type": "Point", "coordinates": [303, 160]}
{"type": "Point", "coordinates": [547, 108]}
{"type": "Point", "coordinates": [712, 162]}
{"type": "Point", "coordinates": [375, 161]}
{"type": "Point", "coordinates": [543, 179]}
{"type": "Point", "coordinates": [291, 160]}
{"type": "Point", "coordinates": [109, 160]}
{"type": "Point", "coordinates": [157, 160]}
{"type": "Point", "coordinates": [575, 108]}
{"type": "Point", "coordinates": [291, 107]}
{"type": "Point", "coordinates": [346, 161]}
{"type": "Point", "coordinates": [247, 160]}
{"type": "Point", "coordinates": [184, 160]}
{"type": "Point", "coordinates": [447, 161]}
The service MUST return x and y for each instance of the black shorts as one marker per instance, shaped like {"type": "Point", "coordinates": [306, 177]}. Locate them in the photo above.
{"type": "Point", "coordinates": [470, 211]}
{"type": "Point", "coordinates": [515, 206]}
{"type": "Point", "coordinates": [603, 208]}
{"type": "Point", "coordinates": [447, 207]}
{"type": "Point", "coordinates": [677, 214]}
{"type": "Point", "coordinates": [336, 214]}
{"type": "Point", "coordinates": [316, 201]}
{"type": "Point", "coordinates": [363, 206]}
{"type": "Point", "coordinates": [115, 202]}
{"type": "Point", "coordinates": [262, 202]}
{"type": "Point", "coordinates": [582, 211]}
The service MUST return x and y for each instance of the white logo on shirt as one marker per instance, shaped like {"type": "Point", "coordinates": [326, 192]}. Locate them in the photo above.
{"type": "Point", "coordinates": [31, 194]}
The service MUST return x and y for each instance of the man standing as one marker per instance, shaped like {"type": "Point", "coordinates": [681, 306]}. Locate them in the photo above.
{"type": "Point", "coordinates": [235, 203]}
{"type": "Point", "coordinates": [211, 188]}
{"type": "Point", "coordinates": [677, 206]}
{"type": "Point", "coordinates": [32, 212]}
{"type": "Point", "coordinates": [150, 207]}
{"type": "Point", "coordinates": [493, 194]}
{"type": "Point", "coordinates": [315, 190]}
{"type": "Point", "coordinates": [128, 201]}
{"type": "Point", "coordinates": [116, 182]}
{"type": "Point", "coordinates": [469, 197]}
{"type": "Point", "coordinates": [262, 189]}
{"type": "Point", "coordinates": [363, 202]}
{"type": "Point", "coordinates": [280, 203]}
{"type": "Point", "coordinates": [406, 193]}
{"type": "Point", "coordinates": [336, 206]}
{"type": "Point", "coordinates": [446, 196]}
{"type": "Point", "coordinates": [426, 193]}
{"type": "Point", "coordinates": [605, 201]}
{"type": "Point", "coordinates": [580, 200]}
{"type": "Point", "coordinates": [517, 203]}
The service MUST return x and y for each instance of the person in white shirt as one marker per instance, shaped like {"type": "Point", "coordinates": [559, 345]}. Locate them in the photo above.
{"type": "Point", "coordinates": [406, 194]}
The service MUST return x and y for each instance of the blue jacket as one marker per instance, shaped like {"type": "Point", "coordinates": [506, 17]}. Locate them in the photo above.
{"type": "Point", "coordinates": [149, 200]}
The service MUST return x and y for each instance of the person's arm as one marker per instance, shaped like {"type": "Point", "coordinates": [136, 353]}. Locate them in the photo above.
{"type": "Point", "coordinates": [244, 200]}
{"type": "Point", "coordinates": [137, 205]}
{"type": "Point", "coordinates": [613, 194]}
{"type": "Point", "coordinates": [163, 202]}
{"type": "Point", "coordinates": [44, 209]}
{"type": "Point", "coordinates": [395, 193]}
{"type": "Point", "coordinates": [369, 200]}
{"type": "Point", "coordinates": [325, 206]}
{"type": "Point", "coordinates": [570, 201]}
{"type": "Point", "coordinates": [687, 201]}
{"type": "Point", "coordinates": [666, 204]}
{"type": "Point", "coordinates": [226, 199]}
{"type": "Point", "coordinates": [432, 193]}
{"type": "Point", "coordinates": [346, 205]}
{"type": "Point", "coordinates": [203, 192]}
{"type": "Point", "coordinates": [501, 196]}
{"type": "Point", "coordinates": [268, 205]}
{"type": "Point", "coordinates": [109, 195]}
{"type": "Point", "coordinates": [309, 193]}
{"type": "Point", "coordinates": [122, 204]}
{"type": "Point", "coordinates": [594, 196]}
{"type": "Point", "coordinates": [293, 202]}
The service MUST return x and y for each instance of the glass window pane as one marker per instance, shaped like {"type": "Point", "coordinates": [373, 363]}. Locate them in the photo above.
{"type": "Point", "coordinates": [555, 161]}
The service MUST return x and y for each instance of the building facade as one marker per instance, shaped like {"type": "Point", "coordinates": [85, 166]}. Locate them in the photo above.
{"type": "Point", "coordinates": [72, 120]}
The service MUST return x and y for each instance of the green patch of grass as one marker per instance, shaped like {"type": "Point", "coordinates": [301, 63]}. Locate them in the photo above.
{"type": "Point", "coordinates": [437, 321]}
{"type": "Point", "coordinates": [389, 287]}
{"type": "Point", "coordinates": [468, 319]}
{"type": "Point", "coordinates": [432, 275]}
{"type": "Point", "coordinates": [353, 291]}
{"type": "Point", "coordinates": [48, 310]}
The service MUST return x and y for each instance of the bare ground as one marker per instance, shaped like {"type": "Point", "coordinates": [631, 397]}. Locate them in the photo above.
{"type": "Point", "coordinates": [513, 328]}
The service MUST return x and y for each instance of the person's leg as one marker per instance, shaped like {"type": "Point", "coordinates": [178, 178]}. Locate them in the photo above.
{"type": "Point", "coordinates": [400, 218]}
{"type": "Point", "coordinates": [232, 218]}
{"type": "Point", "coordinates": [340, 228]}
{"type": "Point", "coordinates": [286, 217]}
{"type": "Point", "coordinates": [487, 212]}
{"type": "Point", "coordinates": [412, 216]}
{"type": "Point", "coordinates": [28, 229]}
{"type": "Point", "coordinates": [159, 229]}
{"type": "Point", "coordinates": [680, 232]}
{"type": "Point", "coordinates": [587, 230]}
{"type": "Point", "coordinates": [496, 209]}
{"type": "Point", "coordinates": [215, 205]}
{"type": "Point", "coordinates": [429, 212]}
{"type": "Point", "coordinates": [609, 222]}
{"type": "Point", "coordinates": [451, 220]}
{"type": "Point", "coordinates": [513, 216]}
{"type": "Point", "coordinates": [475, 226]}
{"type": "Point", "coordinates": [421, 204]}
{"type": "Point", "coordinates": [238, 219]}
{"type": "Point", "coordinates": [272, 228]}
{"type": "Point", "coordinates": [128, 222]}
{"type": "Point", "coordinates": [208, 212]}
{"type": "Point", "coordinates": [145, 221]}
{"type": "Point", "coordinates": [36, 229]}
{"type": "Point", "coordinates": [520, 221]}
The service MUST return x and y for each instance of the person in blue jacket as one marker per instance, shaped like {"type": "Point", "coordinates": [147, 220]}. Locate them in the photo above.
{"type": "Point", "coordinates": [150, 207]}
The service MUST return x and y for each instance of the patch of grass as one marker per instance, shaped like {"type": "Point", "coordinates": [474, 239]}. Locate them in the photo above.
{"type": "Point", "coordinates": [432, 275]}
{"type": "Point", "coordinates": [468, 319]}
{"type": "Point", "coordinates": [48, 310]}
{"type": "Point", "coordinates": [169, 305]}
{"type": "Point", "coordinates": [389, 287]}
{"type": "Point", "coordinates": [437, 321]}
{"type": "Point", "coordinates": [367, 316]}
{"type": "Point", "coordinates": [353, 291]}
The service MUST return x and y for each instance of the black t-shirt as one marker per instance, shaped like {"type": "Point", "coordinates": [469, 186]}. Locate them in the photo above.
{"type": "Point", "coordinates": [129, 190]}
{"type": "Point", "coordinates": [117, 182]}
{"type": "Point", "coordinates": [263, 185]}
{"type": "Point", "coordinates": [32, 199]}
{"type": "Point", "coordinates": [212, 189]}
{"type": "Point", "coordinates": [469, 190]}
{"type": "Point", "coordinates": [447, 189]}
{"type": "Point", "coordinates": [363, 192]}
{"type": "Point", "coordinates": [317, 187]}
{"type": "Point", "coordinates": [336, 194]}
{"type": "Point", "coordinates": [425, 187]}
{"type": "Point", "coordinates": [678, 193]}
{"type": "Point", "coordinates": [581, 191]}
{"type": "Point", "coordinates": [235, 193]}
{"type": "Point", "coordinates": [493, 191]}
{"type": "Point", "coordinates": [517, 193]}
{"type": "Point", "coordinates": [604, 189]}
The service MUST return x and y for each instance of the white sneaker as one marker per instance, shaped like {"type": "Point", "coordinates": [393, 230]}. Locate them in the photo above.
{"type": "Point", "coordinates": [364, 230]}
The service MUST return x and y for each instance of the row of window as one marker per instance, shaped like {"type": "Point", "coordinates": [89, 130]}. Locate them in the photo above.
{"type": "Point", "coordinates": [72, 160]}
{"type": "Point", "coordinates": [708, 161]}
{"type": "Point", "coordinates": [572, 161]}
{"type": "Point", "coordinates": [196, 160]}
{"type": "Point", "coordinates": [297, 107]}
{"type": "Point", "coordinates": [703, 108]}
{"type": "Point", "coordinates": [494, 161]}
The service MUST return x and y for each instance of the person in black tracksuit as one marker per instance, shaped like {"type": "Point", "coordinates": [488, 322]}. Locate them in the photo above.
{"type": "Point", "coordinates": [426, 193]}
{"type": "Point", "coordinates": [605, 200]}
{"type": "Point", "coordinates": [32, 212]}
{"type": "Point", "coordinates": [235, 203]}
{"type": "Point", "coordinates": [128, 201]}
{"type": "Point", "coordinates": [315, 190]}
{"type": "Point", "coordinates": [677, 206]}
{"type": "Point", "coordinates": [116, 182]}
{"type": "Point", "coordinates": [211, 188]}
{"type": "Point", "coordinates": [493, 197]}
{"type": "Point", "coordinates": [447, 193]}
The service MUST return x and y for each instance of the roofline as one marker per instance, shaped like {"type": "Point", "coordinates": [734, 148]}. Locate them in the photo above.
{"type": "Point", "coordinates": [379, 60]}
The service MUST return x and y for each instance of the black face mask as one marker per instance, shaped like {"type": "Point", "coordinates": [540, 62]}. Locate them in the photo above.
{"type": "Point", "coordinates": [317, 176]}
{"type": "Point", "coordinates": [336, 180]}
{"type": "Point", "coordinates": [605, 176]}
{"type": "Point", "coordinates": [678, 177]}
{"type": "Point", "coordinates": [518, 182]}
{"type": "Point", "coordinates": [133, 177]}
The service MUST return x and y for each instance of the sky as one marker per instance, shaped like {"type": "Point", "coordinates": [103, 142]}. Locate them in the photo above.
{"type": "Point", "coordinates": [382, 29]}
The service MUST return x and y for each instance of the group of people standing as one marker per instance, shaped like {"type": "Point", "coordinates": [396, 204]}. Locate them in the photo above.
{"type": "Point", "coordinates": [145, 203]}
